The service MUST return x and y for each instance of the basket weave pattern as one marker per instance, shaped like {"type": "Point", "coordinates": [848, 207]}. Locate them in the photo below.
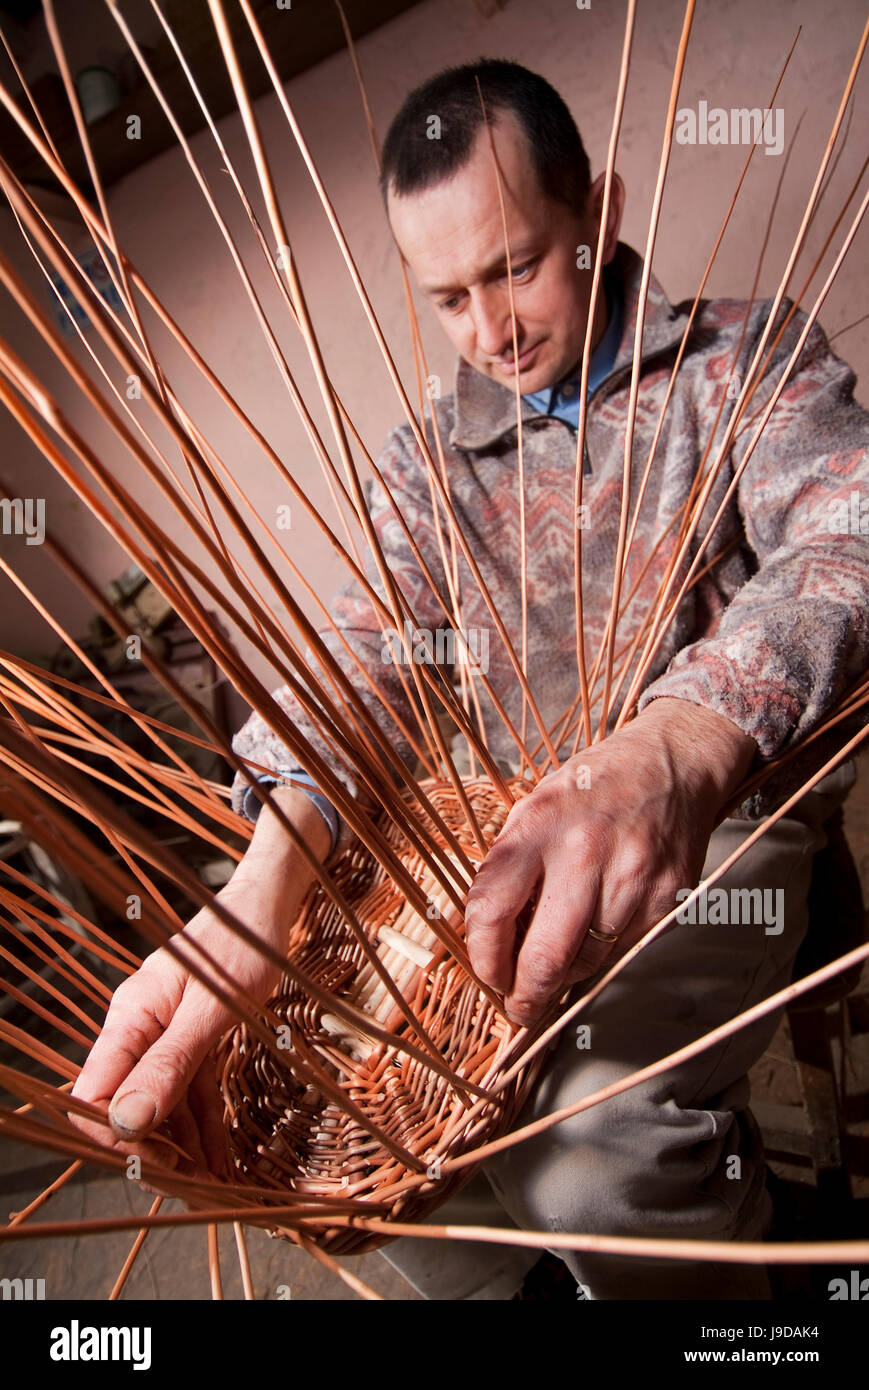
{"type": "Point", "coordinates": [285, 1133]}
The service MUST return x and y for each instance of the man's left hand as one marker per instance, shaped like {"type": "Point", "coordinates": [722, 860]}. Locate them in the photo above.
{"type": "Point", "coordinates": [607, 841]}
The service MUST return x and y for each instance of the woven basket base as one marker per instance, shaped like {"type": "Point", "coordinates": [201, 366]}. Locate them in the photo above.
{"type": "Point", "coordinates": [286, 1133]}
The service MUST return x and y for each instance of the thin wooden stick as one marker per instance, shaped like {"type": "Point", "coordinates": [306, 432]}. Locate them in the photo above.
{"type": "Point", "coordinates": [214, 1263]}
{"type": "Point", "coordinates": [520, 435]}
{"type": "Point", "coordinates": [126, 1268]}
{"type": "Point", "coordinates": [633, 400]}
{"type": "Point", "coordinates": [243, 1260]}
{"type": "Point", "coordinates": [16, 1217]}
{"type": "Point", "coordinates": [347, 1276]}
{"type": "Point", "coordinates": [597, 274]}
{"type": "Point", "coordinates": [727, 1252]}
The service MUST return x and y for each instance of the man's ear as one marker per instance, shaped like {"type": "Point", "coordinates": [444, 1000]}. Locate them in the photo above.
{"type": "Point", "coordinates": [594, 208]}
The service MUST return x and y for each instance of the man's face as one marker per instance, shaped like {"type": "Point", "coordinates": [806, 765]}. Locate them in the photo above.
{"type": "Point", "coordinates": [452, 237]}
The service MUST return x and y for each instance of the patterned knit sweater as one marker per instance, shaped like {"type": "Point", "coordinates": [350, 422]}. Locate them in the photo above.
{"type": "Point", "coordinates": [770, 637]}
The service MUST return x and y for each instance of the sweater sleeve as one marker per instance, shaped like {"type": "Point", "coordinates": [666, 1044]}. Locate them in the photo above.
{"type": "Point", "coordinates": [796, 635]}
{"type": "Point", "coordinates": [374, 643]}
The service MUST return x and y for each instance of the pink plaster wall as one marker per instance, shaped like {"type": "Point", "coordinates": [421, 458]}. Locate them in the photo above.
{"type": "Point", "coordinates": [735, 55]}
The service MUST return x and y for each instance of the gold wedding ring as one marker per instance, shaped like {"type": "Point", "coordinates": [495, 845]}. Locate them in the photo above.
{"type": "Point", "coordinates": [609, 940]}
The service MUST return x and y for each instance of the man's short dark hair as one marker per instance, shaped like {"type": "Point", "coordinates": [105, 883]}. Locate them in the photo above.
{"type": "Point", "coordinates": [418, 153]}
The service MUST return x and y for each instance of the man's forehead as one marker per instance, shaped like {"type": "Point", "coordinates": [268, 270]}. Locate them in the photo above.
{"type": "Point", "coordinates": [458, 223]}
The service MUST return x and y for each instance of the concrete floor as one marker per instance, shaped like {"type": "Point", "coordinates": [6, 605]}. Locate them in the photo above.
{"type": "Point", "coordinates": [173, 1264]}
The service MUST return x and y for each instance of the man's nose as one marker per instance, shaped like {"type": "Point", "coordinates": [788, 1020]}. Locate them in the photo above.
{"type": "Point", "coordinates": [490, 310]}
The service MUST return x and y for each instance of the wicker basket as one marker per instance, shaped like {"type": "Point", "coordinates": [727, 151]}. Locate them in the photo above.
{"type": "Point", "coordinates": [285, 1134]}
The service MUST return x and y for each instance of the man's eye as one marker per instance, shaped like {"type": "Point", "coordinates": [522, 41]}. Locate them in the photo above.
{"type": "Point", "coordinates": [451, 303]}
{"type": "Point", "coordinates": [520, 272]}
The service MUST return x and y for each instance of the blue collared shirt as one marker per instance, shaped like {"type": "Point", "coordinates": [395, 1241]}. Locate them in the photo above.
{"type": "Point", "coordinates": [562, 400]}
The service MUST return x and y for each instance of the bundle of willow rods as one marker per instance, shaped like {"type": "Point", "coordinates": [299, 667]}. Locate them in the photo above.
{"type": "Point", "coordinates": [381, 1074]}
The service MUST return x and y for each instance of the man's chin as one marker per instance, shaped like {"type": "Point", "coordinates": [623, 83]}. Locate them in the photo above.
{"type": "Point", "coordinates": [531, 382]}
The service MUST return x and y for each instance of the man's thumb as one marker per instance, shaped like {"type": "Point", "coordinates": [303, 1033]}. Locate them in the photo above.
{"type": "Point", "coordinates": [132, 1112]}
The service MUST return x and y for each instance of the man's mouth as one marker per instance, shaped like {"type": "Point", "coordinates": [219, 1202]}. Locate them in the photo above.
{"type": "Point", "coordinates": [510, 365]}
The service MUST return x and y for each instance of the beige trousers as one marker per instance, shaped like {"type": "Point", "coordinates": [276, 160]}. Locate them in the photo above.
{"type": "Point", "coordinates": [680, 1155]}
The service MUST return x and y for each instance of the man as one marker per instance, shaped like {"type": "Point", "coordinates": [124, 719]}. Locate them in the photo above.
{"type": "Point", "coordinates": [758, 652]}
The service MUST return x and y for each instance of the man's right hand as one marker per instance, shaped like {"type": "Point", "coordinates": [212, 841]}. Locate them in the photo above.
{"type": "Point", "coordinates": [151, 1064]}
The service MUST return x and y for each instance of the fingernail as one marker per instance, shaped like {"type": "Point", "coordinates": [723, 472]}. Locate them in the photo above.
{"type": "Point", "coordinates": [134, 1111]}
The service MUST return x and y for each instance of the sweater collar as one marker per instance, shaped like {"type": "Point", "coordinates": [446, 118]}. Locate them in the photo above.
{"type": "Point", "coordinates": [485, 410]}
